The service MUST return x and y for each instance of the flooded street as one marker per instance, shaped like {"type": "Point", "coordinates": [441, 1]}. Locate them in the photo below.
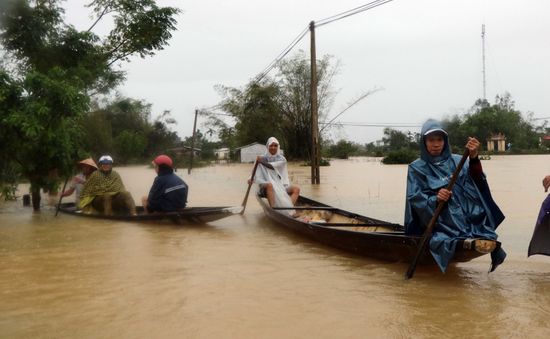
{"type": "Point", "coordinates": [244, 277]}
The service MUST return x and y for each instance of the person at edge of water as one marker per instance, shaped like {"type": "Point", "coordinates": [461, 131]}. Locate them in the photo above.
{"type": "Point", "coordinates": [87, 167]}
{"type": "Point", "coordinates": [278, 161]}
{"type": "Point", "coordinates": [169, 191]}
{"type": "Point", "coordinates": [470, 212]}
{"type": "Point", "coordinates": [104, 191]}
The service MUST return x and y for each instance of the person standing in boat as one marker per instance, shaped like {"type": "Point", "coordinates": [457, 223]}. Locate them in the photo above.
{"type": "Point", "coordinates": [470, 211]}
{"type": "Point", "coordinates": [169, 191]}
{"type": "Point", "coordinates": [269, 183]}
{"type": "Point", "coordinates": [104, 191]}
{"type": "Point", "coordinates": [87, 167]}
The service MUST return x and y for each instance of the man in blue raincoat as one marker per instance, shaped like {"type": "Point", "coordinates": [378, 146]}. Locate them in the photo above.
{"type": "Point", "coordinates": [470, 211]}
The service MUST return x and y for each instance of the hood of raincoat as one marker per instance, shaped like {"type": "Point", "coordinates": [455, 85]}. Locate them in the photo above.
{"type": "Point", "coordinates": [269, 142]}
{"type": "Point", "coordinates": [432, 126]}
{"type": "Point", "coordinates": [277, 160]}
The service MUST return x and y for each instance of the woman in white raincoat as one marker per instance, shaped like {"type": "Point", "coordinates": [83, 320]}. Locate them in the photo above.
{"type": "Point", "coordinates": [273, 182]}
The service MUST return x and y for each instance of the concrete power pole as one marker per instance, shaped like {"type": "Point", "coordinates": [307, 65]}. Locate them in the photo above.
{"type": "Point", "coordinates": [315, 148]}
{"type": "Point", "coordinates": [193, 142]}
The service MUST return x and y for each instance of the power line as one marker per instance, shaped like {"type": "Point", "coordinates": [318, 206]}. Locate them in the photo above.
{"type": "Point", "coordinates": [351, 105]}
{"type": "Point", "coordinates": [282, 55]}
{"type": "Point", "coordinates": [366, 124]}
{"type": "Point", "coordinates": [319, 23]}
{"type": "Point", "coordinates": [350, 12]}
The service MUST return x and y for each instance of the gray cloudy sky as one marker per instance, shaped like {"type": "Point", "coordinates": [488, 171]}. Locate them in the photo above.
{"type": "Point", "coordinates": [425, 54]}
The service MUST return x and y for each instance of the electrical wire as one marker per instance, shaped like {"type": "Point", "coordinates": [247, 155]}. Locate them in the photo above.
{"type": "Point", "coordinates": [282, 55]}
{"type": "Point", "coordinates": [366, 124]}
{"type": "Point", "coordinates": [350, 12]}
{"type": "Point", "coordinates": [319, 23]}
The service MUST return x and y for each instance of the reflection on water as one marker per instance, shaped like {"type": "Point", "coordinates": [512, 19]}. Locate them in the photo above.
{"type": "Point", "coordinates": [243, 277]}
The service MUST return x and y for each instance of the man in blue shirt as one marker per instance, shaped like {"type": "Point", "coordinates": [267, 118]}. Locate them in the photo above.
{"type": "Point", "coordinates": [169, 191]}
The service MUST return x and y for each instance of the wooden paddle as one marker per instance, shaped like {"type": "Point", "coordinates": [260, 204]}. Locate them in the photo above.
{"type": "Point", "coordinates": [61, 197]}
{"type": "Point", "coordinates": [428, 232]}
{"type": "Point", "coordinates": [249, 186]}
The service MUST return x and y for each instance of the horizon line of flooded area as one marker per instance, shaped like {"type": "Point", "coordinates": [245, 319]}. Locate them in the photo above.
{"type": "Point", "coordinates": [246, 277]}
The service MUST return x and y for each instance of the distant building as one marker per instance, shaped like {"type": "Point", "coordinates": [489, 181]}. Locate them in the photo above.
{"type": "Point", "coordinates": [248, 153]}
{"type": "Point", "coordinates": [545, 141]}
{"type": "Point", "coordinates": [496, 143]}
{"type": "Point", "coordinates": [184, 150]}
{"type": "Point", "coordinates": [222, 153]}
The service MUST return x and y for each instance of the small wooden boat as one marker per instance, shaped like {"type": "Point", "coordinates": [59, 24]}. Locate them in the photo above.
{"type": "Point", "coordinates": [363, 235]}
{"type": "Point", "coordinates": [189, 215]}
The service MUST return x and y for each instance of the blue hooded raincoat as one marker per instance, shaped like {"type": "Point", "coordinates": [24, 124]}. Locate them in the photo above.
{"type": "Point", "coordinates": [470, 213]}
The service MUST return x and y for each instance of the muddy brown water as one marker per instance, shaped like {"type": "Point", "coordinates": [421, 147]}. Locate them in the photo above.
{"type": "Point", "coordinates": [243, 277]}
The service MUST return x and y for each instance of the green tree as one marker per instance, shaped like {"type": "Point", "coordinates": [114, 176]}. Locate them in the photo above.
{"type": "Point", "coordinates": [293, 81]}
{"type": "Point", "coordinates": [280, 105]}
{"type": "Point", "coordinates": [485, 120]}
{"type": "Point", "coordinates": [255, 110]}
{"type": "Point", "coordinates": [97, 135]}
{"type": "Point", "coordinates": [396, 140]}
{"type": "Point", "coordinates": [129, 145]}
{"type": "Point", "coordinates": [343, 149]}
{"type": "Point", "coordinates": [401, 156]}
{"type": "Point", "coordinates": [50, 69]}
{"type": "Point", "coordinates": [160, 137]}
{"type": "Point", "coordinates": [123, 120]}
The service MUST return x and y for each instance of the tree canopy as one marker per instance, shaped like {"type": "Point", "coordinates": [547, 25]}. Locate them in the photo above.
{"type": "Point", "coordinates": [51, 69]}
{"type": "Point", "coordinates": [279, 106]}
{"type": "Point", "coordinates": [485, 120]}
{"type": "Point", "coordinates": [123, 128]}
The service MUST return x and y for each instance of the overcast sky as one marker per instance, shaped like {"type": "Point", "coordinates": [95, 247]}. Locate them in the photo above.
{"type": "Point", "coordinates": [425, 54]}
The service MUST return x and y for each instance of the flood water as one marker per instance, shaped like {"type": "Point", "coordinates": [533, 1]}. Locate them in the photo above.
{"type": "Point", "coordinates": [243, 277]}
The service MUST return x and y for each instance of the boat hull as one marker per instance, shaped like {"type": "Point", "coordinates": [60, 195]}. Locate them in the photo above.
{"type": "Point", "coordinates": [365, 236]}
{"type": "Point", "coordinates": [189, 215]}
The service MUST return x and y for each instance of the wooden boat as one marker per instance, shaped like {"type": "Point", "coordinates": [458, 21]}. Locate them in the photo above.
{"type": "Point", "coordinates": [363, 235]}
{"type": "Point", "coordinates": [189, 215]}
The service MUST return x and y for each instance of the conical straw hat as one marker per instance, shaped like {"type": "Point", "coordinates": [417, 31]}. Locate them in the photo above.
{"type": "Point", "coordinates": [89, 162]}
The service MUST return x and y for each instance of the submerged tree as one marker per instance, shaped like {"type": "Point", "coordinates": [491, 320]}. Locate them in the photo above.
{"type": "Point", "coordinates": [50, 69]}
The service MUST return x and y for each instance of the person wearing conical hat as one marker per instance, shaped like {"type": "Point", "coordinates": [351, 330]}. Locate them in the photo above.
{"type": "Point", "coordinates": [87, 167]}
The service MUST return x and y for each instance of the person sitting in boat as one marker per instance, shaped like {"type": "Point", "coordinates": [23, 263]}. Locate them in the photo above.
{"type": "Point", "coordinates": [87, 167]}
{"type": "Point", "coordinates": [268, 180]}
{"type": "Point", "coordinates": [104, 191]}
{"type": "Point", "coordinates": [470, 211]}
{"type": "Point", "coordinates": [169, 191]}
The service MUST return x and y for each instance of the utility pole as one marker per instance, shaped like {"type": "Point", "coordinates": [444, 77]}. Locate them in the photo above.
{"type": "Point", "coordinates": [315, 149]}
{"type": "Point", "coordinates": [193, 142]}
{"type": "Point", "coordinates": [483, 61]}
